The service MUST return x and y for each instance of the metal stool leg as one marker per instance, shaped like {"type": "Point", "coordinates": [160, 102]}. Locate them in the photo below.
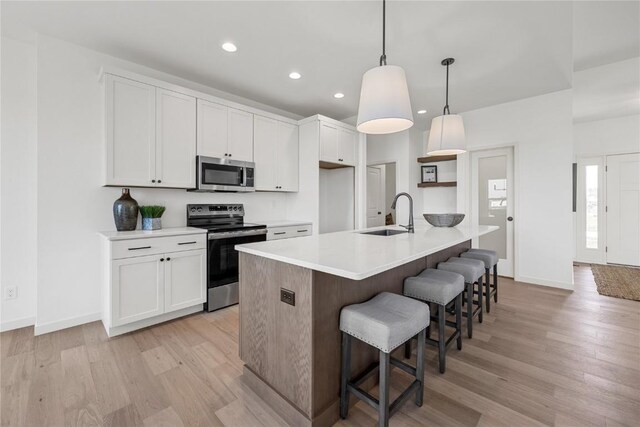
{"type": "Point", "coordinates": [441, 339]}
{"type": "Point", "coordinates": [420, 367]}
{"type": "Point", "coordinates": [470, 310]}
{"type": "Point", "coordinates": [383, 405]}
{"type": "Point", "coordinates": [345, 375]}
{"type": "Point", "coordinates": [487, 287]}
{"type": "Point", "coordinates": [459, 320]}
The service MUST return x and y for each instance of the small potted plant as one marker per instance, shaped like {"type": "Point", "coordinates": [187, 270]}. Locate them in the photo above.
{"type": "Point", "coordinates": [151, 217]}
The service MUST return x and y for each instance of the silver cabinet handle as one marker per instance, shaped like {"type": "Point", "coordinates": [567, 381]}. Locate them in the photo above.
{"type": "Point", "coordinates": [141, 247]}
{"type": "Point", "coordinates": [188, 243]}
{"type": "Point", "coordinates": [280, 233]}
{"type": "Point", "coordinates": [302, 231]}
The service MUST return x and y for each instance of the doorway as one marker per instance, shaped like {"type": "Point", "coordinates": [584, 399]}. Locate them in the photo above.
{"type": "Point", "coordinates": [492, 202]}
{"type": "Point", "coordinates": [381, 189]}
{"type": "Point", "coordinates": [608, 209]}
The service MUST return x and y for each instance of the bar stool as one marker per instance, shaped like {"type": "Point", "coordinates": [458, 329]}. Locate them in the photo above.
{"type": "Point", "coordinates": [490, 259]}
{"type": "Point", "coordinates": [472, 270]}
{"type": "Point", "coordinates": [385, 322]}
{"type": "Point", "coordinates": [439, 289]}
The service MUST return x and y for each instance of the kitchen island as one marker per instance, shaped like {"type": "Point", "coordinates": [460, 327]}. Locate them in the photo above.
{"type": "Point", "coordinates": [291, 294]}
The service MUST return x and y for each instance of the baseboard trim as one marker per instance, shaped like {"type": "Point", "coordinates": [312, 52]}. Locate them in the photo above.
{"type": "Point", "coordinates": [544, 282]}
{"type": "Point", "coordinates": [66, 323]}
{"type": "Point", "coordinates": [119, 330]}
{"type": "Point", "coordinates": [23, 322]}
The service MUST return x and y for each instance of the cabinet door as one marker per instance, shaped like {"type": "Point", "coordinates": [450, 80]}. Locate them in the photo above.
{"type": "Point", "coordinates": [185, 279]}
{"type": "Point", "coordinates": [328, 143]}
{"type": "Point", "coordinates": [212, 129]}
{"type": "Point", "coordinates": [130, 132]}
{"type": "Point", "coordinates": [347, 146]}
{"type": "Point", "coordinates": [266, 145]}
{"type": "Point", "coordinates": [137, 289]}
{"type": "Point", "coordinates": [287, 157]}
{"type": "Point", "coordinates": [175, 139]}
{"type": "Point", "coordinates": [240, 139]}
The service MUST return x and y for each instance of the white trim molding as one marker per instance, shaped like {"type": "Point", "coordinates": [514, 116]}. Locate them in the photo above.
{"type": "Point", "coordinates": [544, 282]}
{"type": "Point", "coordinates": [66, 323]}
{"type": "Point", "coordinates": [23, 322]}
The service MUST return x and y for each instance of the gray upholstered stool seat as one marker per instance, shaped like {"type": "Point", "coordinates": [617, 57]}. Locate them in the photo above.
{"type": "Point", "coordinates": [490, 259]}
{"type": "Point", "coordinates": [472, 270]}
{"type": "Point", "coordinates": [437, 286]}
{"type": "Point", "coordinates": [385, 322]}
{"type": "Point", "coordinates": [440, 289]}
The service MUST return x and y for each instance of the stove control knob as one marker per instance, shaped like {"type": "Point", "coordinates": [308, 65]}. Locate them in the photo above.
{"type": "Point", "coordinates": [193, 209]}
{"type": "Point", "coordinates": [199, 209]}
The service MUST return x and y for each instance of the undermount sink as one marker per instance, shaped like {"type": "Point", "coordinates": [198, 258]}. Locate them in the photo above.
{"type": "Point", "coordinates": [384, 232]}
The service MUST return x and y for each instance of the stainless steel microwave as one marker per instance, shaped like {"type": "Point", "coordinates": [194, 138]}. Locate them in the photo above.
{"type": "Point", "coordinates": [213, 174]}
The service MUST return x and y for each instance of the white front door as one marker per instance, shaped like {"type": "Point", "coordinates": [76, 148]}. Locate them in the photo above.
{"type": "Point", "coordinates": [623, 209]}
{"type": "Point", "coordinates": [492, 203]}
{"type": "Point", "coordinates": [375, 197]}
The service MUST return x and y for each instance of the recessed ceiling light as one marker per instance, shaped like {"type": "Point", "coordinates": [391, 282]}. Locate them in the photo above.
{"type": "Point", "coordinates": [229, 47]}
{"type": "Point", "coordinates": [294, 75]}
{"type": "Point", "coordinates": [422, 111]}
{"type": "Point", "coordinates": [338, 95]}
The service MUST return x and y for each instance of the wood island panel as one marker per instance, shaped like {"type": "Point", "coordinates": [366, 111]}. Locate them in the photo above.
{"type": "Point", "coordinates": [295, 350]}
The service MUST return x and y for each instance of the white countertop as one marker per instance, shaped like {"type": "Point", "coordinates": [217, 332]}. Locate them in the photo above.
{"type": "Point", "coordinates": [282, 223]}
{"type": "Point", "coordinates": [357, 256]}
{"type": "Point", "coordinates": [143, 234]}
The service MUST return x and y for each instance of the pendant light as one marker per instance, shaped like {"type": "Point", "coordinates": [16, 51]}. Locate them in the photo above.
{"type": "Point", "coordinates": [385, 106]}
{"type": "Point", "coordinates": [446, 136]}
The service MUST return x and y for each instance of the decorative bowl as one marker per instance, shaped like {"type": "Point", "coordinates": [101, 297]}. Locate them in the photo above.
{"type": "Point", "coordinates": [444, 220]}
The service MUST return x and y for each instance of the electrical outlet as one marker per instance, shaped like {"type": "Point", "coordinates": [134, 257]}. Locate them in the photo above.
{"type": "Point", "coordinates": [11, 293]}
{"type": "Point", "coordinates": [287, 296]}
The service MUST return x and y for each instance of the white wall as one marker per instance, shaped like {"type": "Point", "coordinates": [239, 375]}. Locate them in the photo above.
{"type": "Point", "coordinates": [72, 206]}
{"type": "Point", "coordinates": [403, 148]}
{"type": "Point", "coordinates": [337, 199]}
{"type": "Point", "coordinates": [609, 136]}
{"type": "Point", "coordinates": [541, 130]}
{"type": "Point", "coordinates": [18, 221]}
{"type": "Point", "coordinates": [389, 188]}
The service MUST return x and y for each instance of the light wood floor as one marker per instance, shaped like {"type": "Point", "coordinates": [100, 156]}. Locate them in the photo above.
{"type": "Point", "coordinates": [542, 357]}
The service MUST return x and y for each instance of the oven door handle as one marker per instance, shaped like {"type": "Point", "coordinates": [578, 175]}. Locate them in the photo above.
{"type": "Point", "coordinates": [232, 234]}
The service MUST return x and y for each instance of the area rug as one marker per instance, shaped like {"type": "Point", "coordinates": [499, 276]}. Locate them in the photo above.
{"type": "Point", "coordinates": [617, 281]}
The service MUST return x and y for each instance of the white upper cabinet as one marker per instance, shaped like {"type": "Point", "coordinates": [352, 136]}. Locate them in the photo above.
{"type": "Point", "coordinates": [338, 145]}
{"type": "Point", "coordinates": [276, 155]}
{"type": "Point", "coordinates": [224, 132]}
{"type": "Point", "coordinates": [287, 157]}
{"type": "Point", "coordinates": [130, 132]}
{"type": "Point", "coordinates": [240, 130]}
{"type": "Point", "coordinates": [175, 139]}
{"type": "Point", "coordinates": [150, 135]}
{"type": "Point", "coordinates": [212, 129]}
{"type": "Point", "coordinates": [347, 146]}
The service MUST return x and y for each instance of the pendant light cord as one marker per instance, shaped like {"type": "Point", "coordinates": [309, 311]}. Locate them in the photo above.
{"type": "Point", "coordinates": [446, 104]}
{"type": "Point", "coordinates": [383, 58]}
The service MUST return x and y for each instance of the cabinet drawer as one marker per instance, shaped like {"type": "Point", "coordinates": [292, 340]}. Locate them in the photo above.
{"type": "Point", "coordinates": [157, 245]}
{"type": "Point", "coordinates": [287, 232]}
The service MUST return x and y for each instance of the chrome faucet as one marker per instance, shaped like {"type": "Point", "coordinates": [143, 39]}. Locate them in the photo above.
{"type": "Point", "coordinates": [409, 227]}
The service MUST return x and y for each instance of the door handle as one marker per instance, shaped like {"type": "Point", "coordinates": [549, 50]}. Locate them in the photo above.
{"type": "Point", "coordinates": [509, 218]}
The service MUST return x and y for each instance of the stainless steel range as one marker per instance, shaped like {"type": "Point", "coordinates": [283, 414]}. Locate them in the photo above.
{"type": "Point", "coordinates": [226, 229]}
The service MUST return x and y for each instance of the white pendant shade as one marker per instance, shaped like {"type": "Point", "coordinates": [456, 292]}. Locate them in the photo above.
{"type": "Point", "coordinates": [385, 106]}
{"type": "Point", "coordinates": [446, 136]}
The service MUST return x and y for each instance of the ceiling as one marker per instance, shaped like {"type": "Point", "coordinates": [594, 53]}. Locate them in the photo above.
{"type": "Point", "coordinates": [504, 50]}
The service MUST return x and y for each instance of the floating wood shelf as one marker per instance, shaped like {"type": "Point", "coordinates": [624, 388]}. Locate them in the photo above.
{"type": "Point", "coordinates": [437, 184]}
{"type": "Point", "coordinates": [434, 159]}
{"type": "Point", "coordinates": [328, 165]}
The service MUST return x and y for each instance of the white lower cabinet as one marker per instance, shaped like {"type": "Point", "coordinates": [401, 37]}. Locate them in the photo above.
{"type": "Point", "coordinates": [152, 280]}
{"type": "Point", "coordinates": [289, 231]}
{"type": "Point", "coordinates": [185, 275]}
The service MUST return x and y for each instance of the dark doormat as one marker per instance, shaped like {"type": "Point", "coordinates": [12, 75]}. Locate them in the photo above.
{"type": "Point", "coordinates": [617, 281]}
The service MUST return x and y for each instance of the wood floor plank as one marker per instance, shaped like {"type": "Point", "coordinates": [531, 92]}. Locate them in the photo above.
{"type": "Point", "coordinates": [165, 418]}
{"type": "Point", "coordinates": [79, 396]}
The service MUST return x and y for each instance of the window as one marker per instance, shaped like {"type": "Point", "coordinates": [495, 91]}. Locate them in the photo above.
{"type": "Point", "coordinates": [591, 208]}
